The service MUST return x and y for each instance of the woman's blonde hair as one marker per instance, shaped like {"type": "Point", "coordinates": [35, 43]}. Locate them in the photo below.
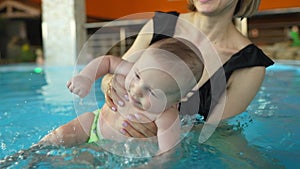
{"type": "Point", "coordinates": [243, 9]}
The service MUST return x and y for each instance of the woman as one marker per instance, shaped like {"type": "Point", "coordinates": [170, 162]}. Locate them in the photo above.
{"type": "Point", "coordinates": [241, 61]}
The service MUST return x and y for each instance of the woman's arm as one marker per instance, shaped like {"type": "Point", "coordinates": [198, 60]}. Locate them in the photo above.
{"type": "Point", "coordinates": [242, 87]}
{"type": "Point", "coordinates": [141, 42]}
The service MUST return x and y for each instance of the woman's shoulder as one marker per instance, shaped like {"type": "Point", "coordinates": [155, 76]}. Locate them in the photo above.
{"type": "Point", "coordinates": [239, 40]}
{"type": "Point", "coordinates": [249, 55]}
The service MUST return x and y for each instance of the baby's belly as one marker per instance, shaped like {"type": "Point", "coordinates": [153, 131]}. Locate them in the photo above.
{"type": "Point", "coordinates": [111, 124]}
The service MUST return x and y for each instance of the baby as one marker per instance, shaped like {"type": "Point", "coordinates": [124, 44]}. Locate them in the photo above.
{"type": "Point", "coordinates": [164, 74]}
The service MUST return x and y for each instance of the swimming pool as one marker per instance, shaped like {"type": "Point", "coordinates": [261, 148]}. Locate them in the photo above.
{"type": "Point", "coordinates": [33, 103]}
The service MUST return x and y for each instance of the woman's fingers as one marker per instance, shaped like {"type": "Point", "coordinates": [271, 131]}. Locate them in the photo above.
{"type": "Point", "coordinates": [150, 125]}
{"type": "Point", "coordinates": [118, 85]}
{"type": "Point", "coordinates": [116, 94]}
{"type": "Point", "coordinates": [140, 126]}
{"type": "Point", "coordinates": [116, 98]}
{"type": "Point", "coordinates": [129, 131]}
{"type": "Point", "coordinates": [110, 96]}
{"type": "Point", "coordinates": [108, 100]}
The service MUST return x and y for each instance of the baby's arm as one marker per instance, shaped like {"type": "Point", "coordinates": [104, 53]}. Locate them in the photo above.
{"type": "Point", "coordinates": [168, 133]}
{"type": "Point", "coordinates": [81, 83]}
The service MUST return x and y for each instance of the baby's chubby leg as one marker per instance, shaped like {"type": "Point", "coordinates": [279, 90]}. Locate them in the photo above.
{"type": "Point", "coordinates": [73, 133]}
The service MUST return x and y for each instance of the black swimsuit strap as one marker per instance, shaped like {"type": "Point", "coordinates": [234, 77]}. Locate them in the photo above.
{"type": "Point", "coordinates": [249, 56]}
{"type": "Point", "coordinates": [164, 27]}
{"type": "Point", "coordinates": [164, 24]}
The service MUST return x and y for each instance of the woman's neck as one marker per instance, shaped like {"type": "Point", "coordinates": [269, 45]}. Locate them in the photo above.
{"type": "Point", "coordinates": [216, 28]}
{"type": "Point", "coordinates": [221, 32]}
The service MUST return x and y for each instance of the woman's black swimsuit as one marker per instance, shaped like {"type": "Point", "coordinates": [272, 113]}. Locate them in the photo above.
{"type": "Point", "coordinates": [210, 92]}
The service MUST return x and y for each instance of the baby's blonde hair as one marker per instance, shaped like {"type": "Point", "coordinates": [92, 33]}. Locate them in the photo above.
{"type": "Point", "coordinates": [184, 50]}
{"type": "Point", "coordinates": [189, 54]}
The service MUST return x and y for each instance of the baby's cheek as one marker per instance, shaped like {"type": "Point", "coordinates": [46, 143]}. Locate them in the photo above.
{"type": "Point", "coordinates": [128, 80]}
{"type": "Point", "coordinates": [156, 105]}
{"type": "Point", "coordinates": [146, 102]}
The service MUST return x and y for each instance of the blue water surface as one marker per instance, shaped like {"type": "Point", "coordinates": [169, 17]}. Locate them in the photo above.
{"type": "Point", "coordinates": [34, 103]}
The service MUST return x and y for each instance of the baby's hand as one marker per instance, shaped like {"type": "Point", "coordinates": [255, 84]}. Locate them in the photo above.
{"type": "Point", "coordinates": [80, 85]}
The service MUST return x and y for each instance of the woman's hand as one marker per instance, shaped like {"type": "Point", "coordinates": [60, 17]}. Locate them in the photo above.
{"type": "Point", "coordinates": [139, 126]}
{"type": "Point", "coordinates": [115, 93]}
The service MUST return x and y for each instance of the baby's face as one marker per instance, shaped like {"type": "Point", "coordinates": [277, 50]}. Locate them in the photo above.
{"type": "Point", "coordinates": [150, 87]}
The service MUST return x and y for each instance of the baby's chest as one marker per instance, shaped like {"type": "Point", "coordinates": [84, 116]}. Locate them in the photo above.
{"type": "Point", "coordinates": [111, 124]}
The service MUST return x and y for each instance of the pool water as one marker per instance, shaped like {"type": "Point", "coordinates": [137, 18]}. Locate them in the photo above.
{"type": "Point", "coordinates": [33, 103]}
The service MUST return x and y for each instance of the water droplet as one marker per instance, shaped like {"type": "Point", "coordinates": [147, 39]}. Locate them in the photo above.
{"type": "Point", "coordinates": [3, 146]}
{"type": "Point", "coordinates": [81, 102]}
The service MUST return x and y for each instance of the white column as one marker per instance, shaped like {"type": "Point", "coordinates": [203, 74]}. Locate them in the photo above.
{"type": "Point", "coordinates": [242, 25]}
{"type": "Point", "coordinates": [63, 31]}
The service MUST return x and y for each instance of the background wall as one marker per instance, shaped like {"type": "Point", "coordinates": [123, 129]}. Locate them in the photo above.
{"type": "Point", "coordinates": [275, 4]}
{"type": "Point", "coordinates": [112, 9]}
{"type": "Point", "coordinates": [117, 8]}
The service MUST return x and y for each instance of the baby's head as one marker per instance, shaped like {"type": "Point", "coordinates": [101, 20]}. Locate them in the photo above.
{"type": "Point", "coordinates": [164, 73]}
